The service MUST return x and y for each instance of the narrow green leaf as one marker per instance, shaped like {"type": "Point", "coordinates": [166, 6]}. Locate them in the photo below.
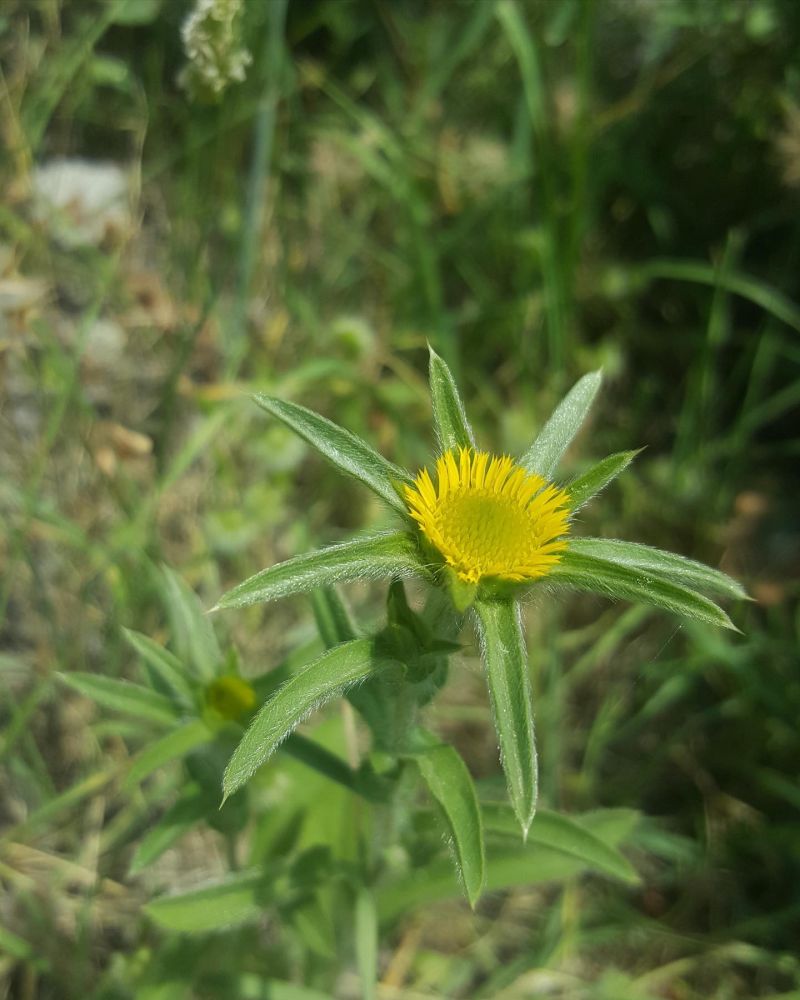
{"type": "Point", "coordinates": [366, 941]}
{"type": "Point", "coordinates": [192, 632]}
{"type": "Point", "coordinates": [601, 576]}
{"type": "Point", "coordinates": [166, 665]}
{"type": "Point", "coordinates": [564, 833]}
{"type": "Point", "coordinates": [122, 696]}
{"type": "Point", "coordinates": [373, 558]}
{"type": "Point", "coordinates": [324, 762]}
{"type": "Point", "coordinates": [190, 809]}
{"type": "Point", "coordinates": [584, 487]}
{"type": "Point", "coordinates": [452, 427]}
{"type": "Point", "coordinates": [171, 746]}
{"type": "Point", "coordinates": [239, 899]}
{"type": "Point", "coordinates": [346, 451]}
{"type": "Point", "coordinates": [331, 614]}
{"type": "Point", "coordinates": [506, 664]}
{"type": "Point", "coordinates": [667, 565]}
{"type": "Point", "coordinates": [451, 785]}
{"type": "Point", "coordinates": [325, 678]}
{"type": "Point", "coordinates": [544, 454]}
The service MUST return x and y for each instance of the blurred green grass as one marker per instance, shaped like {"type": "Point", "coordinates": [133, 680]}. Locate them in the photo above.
{"type": "Point", "coordinates": [535, 188]}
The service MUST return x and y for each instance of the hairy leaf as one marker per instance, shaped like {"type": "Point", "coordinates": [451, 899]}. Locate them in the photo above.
{"type": "Point", "coordinates": [325, 678]}
{"type": "Point", "coordinates": [584, 487]}
{"type": "Point", "coordinates": [506, 664]}
{"type": "Point", "coordinates": [544, 454]}
{"type": "Point", "coordinates": [346, 451]}
{"type": "Point", "coordinates": [629, 583]}
{"type": "Point", "coordinates": [122, 696]}
{"type": "Point", "coordinates": [450, 418]}
{"type": "Point", "coordinates": [372, 558]}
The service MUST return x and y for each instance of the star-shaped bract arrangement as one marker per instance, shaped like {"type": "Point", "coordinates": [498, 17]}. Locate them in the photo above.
{"type": "Point", "coordinates": [487, 532]}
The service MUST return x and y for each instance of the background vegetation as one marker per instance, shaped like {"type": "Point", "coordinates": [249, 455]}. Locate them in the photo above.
{"type": "Point", "coordinates": [537, 188]}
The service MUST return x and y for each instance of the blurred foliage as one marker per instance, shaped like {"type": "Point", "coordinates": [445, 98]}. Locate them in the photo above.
{"type": "Point", "coordinates": [537, 188]}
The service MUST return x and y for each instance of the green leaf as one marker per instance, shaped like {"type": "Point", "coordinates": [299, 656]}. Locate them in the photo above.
{"type": "Point", "coordinates": [629, 583]}
{"type": "Point", "coordinates": [191, 630]}
{"type": "Point", "coordinates": [366, 941]}
{"type": "Point", "coordinates": [584, 487]}
{"type": "Point", "coordinates": [544, 454]}
{"type": "Point", "coordinates": [451, 785]}
{"type": "Point", "coordinates": [452, 427]}
{"type": "Point", "coordinates": [506, 664]}
{"type": "Point", "coordinates": [190, 809]}
{"type": "Point", "coordinates": [373, 558]}
{"type": "Point", "coordinates": [239, 899]}
{"type": "Point", "coordinates": [667, 565]}
{"type": "Point", "coordinates": [169, 747]}
{"type": "Point", "coordinates": [122, 696]}
{"type": "Point", "coordinates": [349, 453]}
{"type": "Point", "coordinates": [334, 623]}
{"type": "Point", "coordinates": [564, 833]}
{"type": "Point", "coordinates": [324, 679]}
{"type": "Point", "coordinates": [166, 665]}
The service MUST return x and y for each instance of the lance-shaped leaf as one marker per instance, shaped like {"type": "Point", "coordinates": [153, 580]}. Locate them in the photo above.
{"type": "Point", "coordinates": [671, 567]}
{"type": "Point", "coordinates": [631, 583]}
{"type": "Point", "coordinates": [451, 785]}
{"type": "Point", "coordinates": [584, 487]}
{"type": "Point", "coordinates": [452, 427]}
{"type": "Point", "coordinates": [122, 696]}
{"type": "Point", "coordinates": [564, 834]}
{"type": "Point", "coordinates": [544, 454]}
{"type": "Point", "coordinates": [166, 665]}
{"type": "Point", "coordinates": [324, 679]}
{"type": "Point", "coordinates": [372, 558]}
{"type": "Point", "coordinates": [192, 632]}
{"type": "Point", "coordinates": [349, 453]}
{"type": "Point", "coordinates": [506, 664]}
{"type": "Point", "coordinates": [192, 807]}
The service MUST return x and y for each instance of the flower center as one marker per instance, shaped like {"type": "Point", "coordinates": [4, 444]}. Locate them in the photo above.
{"type": "Point", "coordinates": [490, 517]}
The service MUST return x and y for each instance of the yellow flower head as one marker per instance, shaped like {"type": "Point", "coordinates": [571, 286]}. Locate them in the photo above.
{"type": "Point", "coordinates": [490, 517]}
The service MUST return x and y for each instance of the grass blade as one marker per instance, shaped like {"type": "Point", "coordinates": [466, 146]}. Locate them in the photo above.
{"type": "Point", "coordinates": [239, 899]}
{"type": "Point", "coordinates": [168, 667]}
{"type": "Point", "coordinates": [588, 485]}
{"type": "Point", "coordinates": [372, 558]}
{"type": "Point", "coordinates": [667, 565]}
{"type": "Point", "coordinates": [628, 583]}
{"type": "Point", "coordinates": [545, 453]}
{"type": "Point", "coordinates": [506, 663]}
{"type": "Point", "coordinates": [452, 427]}
{"type": "Point", "coordinates": [451, 785]}
{"type": "Point", "coordinates": [324, 679]}
{"type": "Point", "coordinates": [191, 630]}
{"type": "Point", "coordinates": [346, 451]}
{"type": "Point", "coordinates": [366, 941]}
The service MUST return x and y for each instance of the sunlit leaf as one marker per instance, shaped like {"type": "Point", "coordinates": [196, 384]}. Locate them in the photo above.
{"type": "Point", "coordinates": [450, 418]}
{"type": "Point", "coordinates": [327, 677]}
{"type": "Point", "coordinates": [602, 576]}
{"type": "Point", "coordinates": [346, 451]}
{"type": "Point", "coordinates": [171, 746]}
{"type": "Point", "coordinates": [584, 487]}
{"type": "Point", "coordinates": [506, 663]}
{"type": "Point", "coordinates": [378, 556]}
{"type": "Point", "coordinates": [544, 454]}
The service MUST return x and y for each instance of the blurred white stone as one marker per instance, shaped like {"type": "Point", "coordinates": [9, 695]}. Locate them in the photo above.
{"type": "Point", "coordinates": [81, 202]}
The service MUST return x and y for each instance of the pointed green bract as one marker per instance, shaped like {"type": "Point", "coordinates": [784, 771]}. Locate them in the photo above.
{"type": "Point", "coordinates": [166, 665]}
{"type": "Point", "coordinates": [544, 454]}
{"type": "Point", "coordinates": [564, 834]}
{"type": "Point", "coordinates": [611, 579]}
{"type": "Point", "coordinates": [192, 632]}
{"type": "Point", "coordinates": [345, 450]}
{"type": "Point", "coordinates": [584, 487]}
{"type": "Point", "coordinates": [451, 785]}
{"type": "Point", "coordinates": [327, 677]}
{"type": "Point", "coordinates": [506, 664]}
{"type": "Point", "coordinates": [377, 556]}
{"type": "Point", "coordinates": [667, 565]}
{"type": "Point", "coordinates": [450, 418]}
{"type": "Point", "coordinates": [122, 696]}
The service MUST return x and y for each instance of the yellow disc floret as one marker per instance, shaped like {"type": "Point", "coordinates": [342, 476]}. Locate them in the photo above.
{"type": "Point", "coordinates": [490, 517]}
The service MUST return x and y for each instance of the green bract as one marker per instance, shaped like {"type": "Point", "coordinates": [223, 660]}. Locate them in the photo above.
{"type": "Point", "coordinates": [402, 665]}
